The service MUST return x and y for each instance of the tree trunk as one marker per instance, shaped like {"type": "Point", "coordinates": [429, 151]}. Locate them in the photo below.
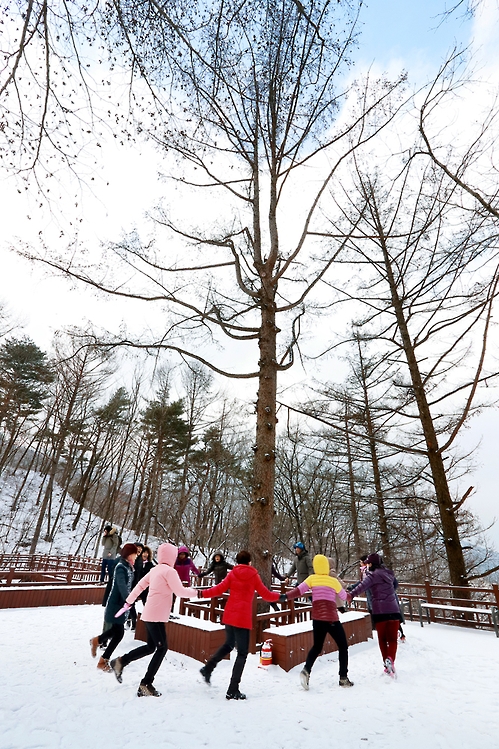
{"type": "Point", "coordinates": [450, 531]}
{"type": "Point", "coordinates": [261, 516]}
{"type": "Point", "coordinates": [351, 483]}
{"type": "Point", "coordinates": [380, 502]}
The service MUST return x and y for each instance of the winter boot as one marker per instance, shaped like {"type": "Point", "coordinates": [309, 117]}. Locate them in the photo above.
{"type": "Point", "coordinates": [237, 695]}
{"type": "Point", "coordinates": [304, 678]}
{"type": "Point", "coordinates": [94, 644]}
{"type": "Point", "coordinates": [103, 665]}
{"type": "Point", "coordinates": [206, 674]}
{"type": "Point", "coordinates": [389, 667]}
{"type": "Point", "coordinates": [345, 682]}
{"type": "Point", "coordinates": [117, 667]}
{"type": "Point", "coordinates": [147, 690]}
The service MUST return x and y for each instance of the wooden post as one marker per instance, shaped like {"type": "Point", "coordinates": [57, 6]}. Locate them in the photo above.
{"type": "Point", "coordinates": [213, 604]}
{"type": "Point", "coordinates": [495, 589]}
{"type": "Point", "coordinates": [253, 632]}
{"type": "Point", "coordinates": [429, 599]}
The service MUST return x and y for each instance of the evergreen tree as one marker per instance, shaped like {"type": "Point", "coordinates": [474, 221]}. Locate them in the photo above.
{"type": "Point", "coordinates": [25, 376]}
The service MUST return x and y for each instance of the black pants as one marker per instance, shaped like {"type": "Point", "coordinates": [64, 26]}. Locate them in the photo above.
{"type": "Point", "coordinates": [133, 616]}
{"type": "Point", "coordinates": [157, 644]}
{"type": "Point", "coordinates": [234, 637]}
{"type": "Point", "coordinates": [113, 636]}
{"type": "Point", "coordinates": [335, 629]}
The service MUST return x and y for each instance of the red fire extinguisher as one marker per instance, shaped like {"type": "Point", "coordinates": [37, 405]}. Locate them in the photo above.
{"type": "Point", "coordinates": [266, 654]}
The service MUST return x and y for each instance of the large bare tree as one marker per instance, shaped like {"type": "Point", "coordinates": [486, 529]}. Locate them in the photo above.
{"type": "Point", "coordinates": [242, 98]}
{"type": "Point", "coordinates": [432, 280]}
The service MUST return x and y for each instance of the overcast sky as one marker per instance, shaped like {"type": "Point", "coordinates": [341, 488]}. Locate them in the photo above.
{"type": "Point", "coordinates": [396, 34]}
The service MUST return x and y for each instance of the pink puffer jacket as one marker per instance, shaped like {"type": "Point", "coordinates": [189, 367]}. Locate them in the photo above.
{"type": "Point", "coordinates": [163, 581]}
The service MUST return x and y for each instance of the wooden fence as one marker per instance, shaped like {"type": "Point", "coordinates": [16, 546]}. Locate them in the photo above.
{"type": "Point", "coordinates": [68, 572]}
{"type": "Point", "coordinates": [450, 598]}
{"type": "Point", "coordinates": [47, 562]}
{"type": "Point", "coordinates": [30, 580]}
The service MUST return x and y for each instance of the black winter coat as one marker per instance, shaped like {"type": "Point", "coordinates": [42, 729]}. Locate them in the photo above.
{"type": "Point", "coordinates": [122, 585]}
{"type": "Point", "coordinates": [219, 569]}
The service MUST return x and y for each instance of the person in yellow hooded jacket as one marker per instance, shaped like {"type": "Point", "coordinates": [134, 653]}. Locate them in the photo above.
{"type": "Point", "coordinates": [325, 618]}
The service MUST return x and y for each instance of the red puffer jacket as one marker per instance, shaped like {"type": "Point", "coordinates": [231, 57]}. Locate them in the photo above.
{"type": "Point", "coordinates": [242, 582]}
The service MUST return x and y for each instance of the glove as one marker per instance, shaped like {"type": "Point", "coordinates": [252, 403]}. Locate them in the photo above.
{"type": "Point", "coordinates": [283, 598]}
{"type": "Point", "coordinates": [341, 609]}
{"type": "Point", "coordinates": [123, 610]}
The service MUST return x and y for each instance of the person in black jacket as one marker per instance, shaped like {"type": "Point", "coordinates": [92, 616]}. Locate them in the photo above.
{"type": "Point", "coordinates": [143, 564]}
{"type": "Point", "coordinates": [219, 567]}
{"type": "Point", "coordinates": [122, 585]}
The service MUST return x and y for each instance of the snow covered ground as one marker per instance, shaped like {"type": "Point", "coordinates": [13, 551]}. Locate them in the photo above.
{"type": "Point", "coordinates": [53, 697]}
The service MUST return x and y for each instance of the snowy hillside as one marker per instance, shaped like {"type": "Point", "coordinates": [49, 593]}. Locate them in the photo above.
{"type": "Point", "coordinates": [19, 511]}
{"type": "Point", "coordinates": [445, 696]}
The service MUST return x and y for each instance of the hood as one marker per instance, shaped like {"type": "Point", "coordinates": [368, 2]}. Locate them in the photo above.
{"type": "Point", "coordinates": [244, 572]}
{"type": "Point", "coordinates": [382, 573]}
{"type": "Point", "coordinates": [218, 554]}
{"type": "Point", "coordinates": [183, 550]}
{"type": "Point", "coordinates": [321, 565]}
{"type": "Point", "coordinates": [167, 554]}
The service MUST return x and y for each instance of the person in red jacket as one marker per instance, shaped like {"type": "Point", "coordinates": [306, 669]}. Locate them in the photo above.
{"type": "Point", "coordinates": [242, 582]}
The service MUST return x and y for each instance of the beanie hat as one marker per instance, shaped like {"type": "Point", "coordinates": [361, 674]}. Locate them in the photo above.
{"type": "Point", "coordinates": [128, 549]}
{"type": "Point", "coordinates": [299, 545]}
{"type": "Point", "coordinates": [374, 560]}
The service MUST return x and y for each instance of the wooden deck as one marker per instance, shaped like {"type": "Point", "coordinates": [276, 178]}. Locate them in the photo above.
{"type": "Point", "coordinates": [190, 636]}
{"type": "Point", "coordinates": [291, 643]}
{"type": "Point", "coordinates": [200, 638]}
{"type": "Point", "coordinates": [18, 597]}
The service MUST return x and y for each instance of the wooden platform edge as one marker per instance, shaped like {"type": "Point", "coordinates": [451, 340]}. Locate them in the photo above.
{"type": "Point", "coordinates": [60, 595]}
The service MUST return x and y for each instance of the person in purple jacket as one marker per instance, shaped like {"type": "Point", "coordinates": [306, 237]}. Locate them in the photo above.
{"type": "Point", "coordinates": [184, 566]}
{"type": "Point", "coordinates": [382, 583]}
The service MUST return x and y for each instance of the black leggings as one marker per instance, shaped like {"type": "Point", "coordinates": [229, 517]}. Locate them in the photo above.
{"type": "Point", "coordinates": [156, 643]}
{"type": "Point", "coordinates": [113, 636]}
{"type": "Point", "coordinates": [234, 637]}
{"type": "Point", "coordinates": [335, 629]}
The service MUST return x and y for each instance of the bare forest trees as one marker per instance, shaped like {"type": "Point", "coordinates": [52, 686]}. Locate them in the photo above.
{"type": "Point", "coordinates": [242, 98]}
{"type": "Point", "coordinates": [80, 371]}
{"type": "Point", "coordinates": [88, 452]}
{"type": "Point", "coordinates": [428, 290]}
{"type": "Point", "coordinates": [255, 119]}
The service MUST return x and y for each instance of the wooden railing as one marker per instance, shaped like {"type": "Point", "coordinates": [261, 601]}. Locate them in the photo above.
{"type": "Point", "coordinates": [36, 570]}
{"type": "Point", "coordinates": [211, 609]}
{"type": "Point", "coordinates": [45, 562]}
{"type": "Point", "coordinates": [410, 594]}
{"type": "Point", "coordinates": [48, 569]}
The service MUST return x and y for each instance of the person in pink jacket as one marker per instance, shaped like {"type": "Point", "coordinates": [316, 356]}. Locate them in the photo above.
{"type": "Point", "coordinates": [163, 581]}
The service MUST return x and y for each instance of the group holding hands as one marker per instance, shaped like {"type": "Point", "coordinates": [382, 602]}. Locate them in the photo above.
{"type": "Point", "coordinates": [242, 581]}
